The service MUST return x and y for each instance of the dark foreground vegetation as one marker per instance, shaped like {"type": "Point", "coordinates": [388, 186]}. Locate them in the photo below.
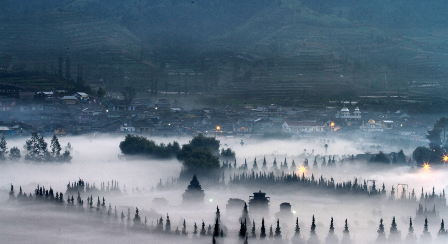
{"type": "Point", "coordinates": [217, 232]}
{"type": "Point", "coordinates": [199, 156]}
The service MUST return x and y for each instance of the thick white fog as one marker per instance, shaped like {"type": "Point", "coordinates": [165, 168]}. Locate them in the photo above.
{"type": "Point", "coordinates": [96, 159]}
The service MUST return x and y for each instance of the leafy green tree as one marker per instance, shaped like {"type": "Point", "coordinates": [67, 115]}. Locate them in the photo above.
{"type": "Point", "coordinates": [3, 148]}
{"type": "Point", "coordinates": [438, 133]}
{"type": "Point", "coordinates": [139, 145]}
{"type": "Point", "coordinates": [32, 146]}
{"type": "Point", "coordinates": [228, 153]}
{"type": "Point", "coordinates": [66, 157]}
{"type": "Point", "coordinates": [401, 158]}
{"type": "Point", "coordinates": [380, 158]}
{"type": "Point", "coordinates": [14, 154]}
{"type": "Point", "coordinates": [198, 160]}
{"type": "Point", "coordinates": [44, 155]}
{"type": "Point", "coordinates": [55, 148]}
{"type": "Point", "coordinates": [206, 142]}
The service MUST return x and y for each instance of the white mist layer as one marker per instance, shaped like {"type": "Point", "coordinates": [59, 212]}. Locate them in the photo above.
{"type": "Point", "coordinates": [96, 159]}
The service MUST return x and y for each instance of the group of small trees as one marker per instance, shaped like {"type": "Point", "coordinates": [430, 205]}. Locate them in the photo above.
{"type": "Point", "coordinates": [37, 150]}
{"type": "Point", "coordinates": [14, 153]}
{"type": "Point", "coordinates": [398, 158]}
{"type": "Point", "coordinates": [438, 145]}
{"type": "Point", "coordinates": [200, 155]}
{"type": "Point", "coordinates": [139, 145]}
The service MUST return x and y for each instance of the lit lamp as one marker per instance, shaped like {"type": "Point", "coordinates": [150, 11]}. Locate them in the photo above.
{"type": "Point", "coordinates": [217, 129]}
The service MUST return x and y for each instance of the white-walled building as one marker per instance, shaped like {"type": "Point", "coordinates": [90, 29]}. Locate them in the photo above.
{"type": "Point", "coordinates": [299, 127]}
{"type": "Point", "coordinates": [346, 115]}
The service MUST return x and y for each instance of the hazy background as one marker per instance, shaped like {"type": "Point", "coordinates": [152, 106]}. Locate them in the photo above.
{"type": "Point", "coordinates": [95, 159]}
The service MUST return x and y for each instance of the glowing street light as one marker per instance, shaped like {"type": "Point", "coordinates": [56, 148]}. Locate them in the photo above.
{"type": "Point", "coordinates": [303, 169]}
{"type": "Point", "coordinates": [218, 128]}
{"type": "Point", "coordinates": [445, 158]}
{"type": "Point", "coordinates": [426, 166]}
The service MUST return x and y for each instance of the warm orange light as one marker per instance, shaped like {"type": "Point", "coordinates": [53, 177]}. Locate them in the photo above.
{"type": "Point", "coordinates": [332, 124]}
{"type": "Point", "coordinates": [218, 127]}
{"type": "Point", "coordinates": [426, 166]}
{"type": "Point", "coordinates": [303, 169]}
{"type": "Point", "coordinates": [445, 158]}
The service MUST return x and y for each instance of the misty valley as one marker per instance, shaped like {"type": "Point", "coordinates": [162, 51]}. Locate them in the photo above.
{"type": "Point", "coordinates": [287, 191]}
{"type": "Point", "coordinates": [223, 121]}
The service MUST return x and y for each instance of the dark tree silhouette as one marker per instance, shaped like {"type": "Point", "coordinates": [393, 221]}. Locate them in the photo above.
{"type": "Point", "coordinates": [381, 235]}
{"type": "Point", "coordinates": [262, 230]}
{"type": "Point", "coordinates": [14, 154]}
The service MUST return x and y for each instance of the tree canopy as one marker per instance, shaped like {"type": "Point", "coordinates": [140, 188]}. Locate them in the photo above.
{"type": "Point", "coordinates": [380, 158]}
{"type": "Point", "coordinates": [139, 145]}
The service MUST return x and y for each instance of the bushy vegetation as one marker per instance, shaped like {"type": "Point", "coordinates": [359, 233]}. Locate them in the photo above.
{"type": "Point", "coordinates": [139, 145]}
{"type": "Point", "coordinates": [380, 158]}
{"type": "Point", "coordinates": [200, 155]}
{"type": "Point", "coordinates": [227, 153]}
{"type": "Point", "coordinates": [37, 149]}
{"type": "Point", "coordinates": [437, 145]}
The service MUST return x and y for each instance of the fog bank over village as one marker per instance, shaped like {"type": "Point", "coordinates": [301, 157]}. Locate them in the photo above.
{"type": "Point", "coordinates": [223, 122]}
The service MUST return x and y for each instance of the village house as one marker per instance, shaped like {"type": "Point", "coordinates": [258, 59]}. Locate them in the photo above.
{"type": "Point", "coordinates": [82, 97]}
{"type": "Point", "coordinates": [7, 105]}
{"type": "Point", "coordinates": [346, 115]}
{"type": "Point", "coordinates": [299, 127]}
{"type": "Point", "coordinates": [69, 100]}
{"type": "Point", "coordinates": [372, 126]}
{"type": "Point", "coordinates": [272, 110]}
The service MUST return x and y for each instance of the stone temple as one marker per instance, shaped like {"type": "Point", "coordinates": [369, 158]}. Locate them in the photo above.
{"type": "Point", "coordinates": [194, 192]}
{"type": "Point", "coordinates": [259, 204]}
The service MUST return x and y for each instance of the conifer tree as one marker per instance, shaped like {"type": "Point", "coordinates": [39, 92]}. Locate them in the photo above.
{"type": "Point", "coordinates": [195, 229]}
{"type": "Point", "coordinates": [43, 149]}
{"type": "Point", "coordinates": [246, 241]}
{"type": "Point", "coordinates": [381, 235]}
{"type": "Point", "coordinates": [209, 230]}
{"type": "Point", "coordinates": [213, 240]}
{"type": "Point", "coordinates": [184, 229]}
{"type": "Point", "coordinates": [159, 227]}
{"type": "Point", "coordinates": [245, 214]}
{"type": "Point", "coordinates": [426, 236]}
{"type": "Point", "coordinates": [264, 167]}
{"type": "Point", "coordinates": [253, 230]}
{"type": "Point", "coordinates": [393, 227]}
{"type": "Point", "coordinates": [32, 146]}
{"type": "Point", "coordinates": [297, 229]}
{"type": "Point", "coordinates": [55, 148]}
{"type": "Point", "coordinates": [313, 227]}
{"type": "Point", "coordinates": [394, 233]}
{"type": "Point", "coordinates": [242, 232]}
{"type": "Point", "coordinates": [278, 232]}
{"type": "Point", "coordinates": [203, 232]}
{"type": "Point", "coordinates": [262, 230]}
{"type": "Point", "coordinates": [271, 233]}
{"type": "Point", "coordinates": [168, 224]}
{"type": "Point", "coordinates": [331, 237]}
{"type": "Point", "coordinates": [331, 226]}
{"type": "Point", "coordinates": [442, 230]}
{"type": "Point", "coordinates": [216, 231]}
{"type": "Point", "coordinates": [346, 235]}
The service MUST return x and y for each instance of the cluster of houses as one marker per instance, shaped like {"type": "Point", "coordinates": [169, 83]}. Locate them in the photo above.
{"type": "Point", "coordinates": [80, 113]}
